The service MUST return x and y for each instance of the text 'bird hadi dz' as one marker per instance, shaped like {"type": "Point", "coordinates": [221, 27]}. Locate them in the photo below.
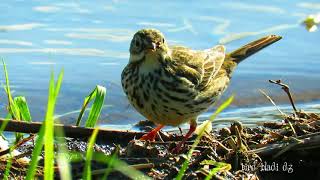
{"type": "Point", "coordinates": [173, 85]}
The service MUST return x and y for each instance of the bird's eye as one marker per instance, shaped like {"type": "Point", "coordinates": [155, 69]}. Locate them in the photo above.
{"type": "Point", "coordinates": [163, 40]}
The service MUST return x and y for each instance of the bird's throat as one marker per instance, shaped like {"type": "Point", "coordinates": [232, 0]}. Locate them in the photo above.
{"type": "Point", "coordinates": [150, 63]}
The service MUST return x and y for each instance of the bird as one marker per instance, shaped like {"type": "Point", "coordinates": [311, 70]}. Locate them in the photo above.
{"type": "Point", "coordinates": [174, 85]}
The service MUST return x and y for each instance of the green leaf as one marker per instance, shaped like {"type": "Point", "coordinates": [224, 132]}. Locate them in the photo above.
{"type": "Point", "coordinates": [8, 166]}
{"type": "Point", "coordinates": [98, 94]}
{"type": "Point", "coordinates": [120, 166]}
{"type": "Point", "coordinates": [87, 167]}
{"type": "Point", "coordinates": [22, 105]}
{"type": "Point", "coordinates": [220, 166]}
{"type": "Point", "coordinates": [205, 126]}
{"type": "Point", "coordinates": [4, 124]}
{"type": "Point", "coordinates": [12, 107]}
{"type": "Point", "coordinates": [196, 142]}
{"type": "Point", "coordinates": [13, 110]}
{"type": "Point", "coordinates": [62, 157]}
{"type": "Point", "coordinates": [46, 132]}
{"type": "Point", "coordinates": [49, 126]}
{"type": "Point", "coordinates": [75, 156]}
{"type": "Point", "coordinates": [112, 161]}
{"type": "Point", "coordinates": [36, 154]}
{"type": "Point", "coordinates": [58, 84]}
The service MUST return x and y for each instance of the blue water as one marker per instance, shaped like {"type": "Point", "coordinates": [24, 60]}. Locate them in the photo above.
{"type": "Point", "coordinates": [90, 41]}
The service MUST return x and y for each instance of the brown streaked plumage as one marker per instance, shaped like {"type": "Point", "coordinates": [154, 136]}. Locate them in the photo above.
{"type": "Point", "coordinates": [171, 86]}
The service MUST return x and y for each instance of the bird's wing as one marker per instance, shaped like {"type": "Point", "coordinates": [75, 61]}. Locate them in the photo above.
{"type": "Point", "coordinates": [213, 60]}
{"type": "Point", "coordinates": [199, 67]}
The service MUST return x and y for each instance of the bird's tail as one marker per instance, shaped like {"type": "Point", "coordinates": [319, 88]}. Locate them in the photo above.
{"type": "Point", "coordinates": [251, 48]}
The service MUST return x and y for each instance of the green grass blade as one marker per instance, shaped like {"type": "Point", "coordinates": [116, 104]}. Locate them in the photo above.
{"type": "Point", "coordinates": [49, 126]}
{"type": "Point", "coordinates": [12, 107]}
{"type": "Point", "coordinates": [117, 164]}
{"type": "Point", "coordinates": [87, 167]}
{"type": "Point", "coordinates": [13, 110]}
{"type": "Point", "coordinates": [8, 167]}
{"type": "Point", "coordinates": [98, 94]}
{"type": "Point", "coordinates": [58, 84]}
{"type": "Point", "coordinates": [120, 166]}
{"type": "Point", "coordinates": [196, 142]}
{"type": "Point", "coordinates": [4, 124]}
{"type": "Point", "coordinates": [48, 146]}
{"type": "Point", "coordinates": [22, 105]}
{"type": "Point", "coordinates": [62, 158]}
{"type": "Point", "coordinates": [110, 166]}
{"type": "Point", "coordinates": [36, 154]}
{"type": "Point", "coordinates": [75, 156]}
{"type": "Point", "coordinates": [85, 104]}
{"type": "Point", "coordinates": [46, 132]}
{"type": "Point", "coordinates": [221, 108]}
{"type": "Point", "coordinates": [220, 166]}
{"type": "Point", "coordinates": [96, 107]}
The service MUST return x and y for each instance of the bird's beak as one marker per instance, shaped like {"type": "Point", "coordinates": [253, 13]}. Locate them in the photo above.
{"type": "Point", "coordinates": [151, 47]}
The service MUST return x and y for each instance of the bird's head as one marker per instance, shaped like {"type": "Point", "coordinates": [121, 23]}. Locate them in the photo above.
{"type": "Point", "coordinates": [147, 42]}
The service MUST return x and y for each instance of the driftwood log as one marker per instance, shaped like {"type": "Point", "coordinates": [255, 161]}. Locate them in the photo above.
{"type": "Point", "coordinates": [308, 141]}
{"type": "Point", "coordinates": [108, 135]}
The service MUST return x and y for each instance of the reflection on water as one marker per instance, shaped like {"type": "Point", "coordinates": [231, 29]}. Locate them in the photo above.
{"type": "Point", "coordinates": [90, 40]}
{"type": "Point", "coordinates": [256, 116]}
{"type": "Point", "coordinates": [254, 7]}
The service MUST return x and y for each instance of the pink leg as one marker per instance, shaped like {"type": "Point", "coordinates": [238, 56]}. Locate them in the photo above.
{"type": "Point", "coordinates": [151, 136]}
{"type": "Point", "coordinates": [193, 127]}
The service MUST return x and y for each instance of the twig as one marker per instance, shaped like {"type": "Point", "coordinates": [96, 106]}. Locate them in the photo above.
{"type": "Point", "coordinates": [106, 135]}
{"type": "Point", "coordinates": [180, 130]}
{"type": "Point", "coordinates": [285, 149]}
{"type": "Point", "coordinates": [239, 139]}
{"type": "Point", "coordinates": [286, 89]}
{"type": "Point", "coordinates": [16, 145]}
{"type": "Point", "coordinates": [159, 136]}
{"type": "Point", "coordinates": [232, 143]}
{"type": "Point", "coordinates": [310, 135]}
{"type": "Point", "coordinates": [302, 142]}
{"type": "Point", "coordinates": [22, 155]}
{"type": "Point", "coordinates": [283, 114]}
{"type": "Point", "coordinates": [142, 166]}
{"type": "Point", "coordinates": [270, 99]}
{"type": "Point", "coordinates": [135, 166]}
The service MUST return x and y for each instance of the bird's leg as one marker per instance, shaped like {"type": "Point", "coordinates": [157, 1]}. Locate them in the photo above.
{"type": "Point", "coordinates": [151, 136]}
{"type": "Point", "coordinates": [193, 126]}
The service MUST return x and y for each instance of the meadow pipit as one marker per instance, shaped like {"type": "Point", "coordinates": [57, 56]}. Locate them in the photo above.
{"type": "Point", "coordinates": [171, 86]}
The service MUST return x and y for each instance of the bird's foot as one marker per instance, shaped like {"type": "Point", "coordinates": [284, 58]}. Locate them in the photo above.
{"type": "Point", "coordinates": [179, 147]}
{"type": "Point", "coordinates": [151, 136]}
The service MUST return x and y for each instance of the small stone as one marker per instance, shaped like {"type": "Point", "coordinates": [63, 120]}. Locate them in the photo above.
{"type": "Point", "coordinates": [137, 148]}
{"type": "Point", "coordinates": [225, 132]}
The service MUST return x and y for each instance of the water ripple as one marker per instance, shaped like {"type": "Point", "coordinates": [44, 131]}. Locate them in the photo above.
{"type": "Point", "coordinates": [21, 27]}
{"type": "Point", "coordinates": [46, 9]}
{"type": "Point", "coordinates": [254, 7]}
{"type": "Point", "coordinates": [57, 42]}
{"type": "Point", "coordinates": [308, 5]}
{"type": "Point", "coordinates": [67, 51]}
{"type": "Point", "coordinates": [15, 42]}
